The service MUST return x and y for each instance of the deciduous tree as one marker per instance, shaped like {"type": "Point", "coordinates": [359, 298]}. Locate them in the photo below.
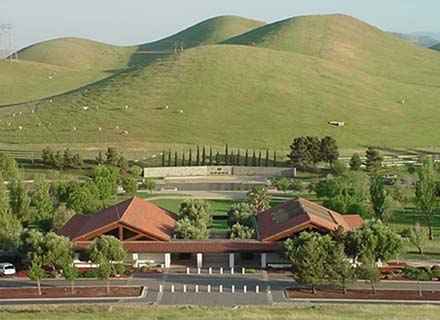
{"type": "Point", "coordinates": [239, 231]}
{"type": "Point", "coordinates": [426, 192]}
{"type": "Point", "coordinates": [258, 199]}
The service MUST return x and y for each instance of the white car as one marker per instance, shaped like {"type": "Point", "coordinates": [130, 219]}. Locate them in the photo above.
{"type": "Point", "coordinates": [7, 269]}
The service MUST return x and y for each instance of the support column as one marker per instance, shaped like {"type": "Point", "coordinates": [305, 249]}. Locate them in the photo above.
{"type": "Point", "coordinates": [231, 260]}
{"type": "Point", "coordinates": [135, 258]}
{"type": "Point", "coordinates": [167, 260]}
{"type": "Point", "coordinates": [263, 260]}
{"type": "Point", "coordinates": [199, 260]}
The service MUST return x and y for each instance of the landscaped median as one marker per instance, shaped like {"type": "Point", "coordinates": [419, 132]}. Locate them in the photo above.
{"type": "Point", "coordinates": [27, 293]}
{"type": "Point", "coordinates": [362, 294]}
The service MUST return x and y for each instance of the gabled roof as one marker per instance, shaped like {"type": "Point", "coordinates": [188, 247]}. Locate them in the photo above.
{"type": "Point", "coordinates": [299, 214]}
{"type": "Point", "coordinates": [133, 213]}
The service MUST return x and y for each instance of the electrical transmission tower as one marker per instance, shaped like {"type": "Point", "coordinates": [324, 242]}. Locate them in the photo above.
{"type": "Point", "coordinates": [7, 43]}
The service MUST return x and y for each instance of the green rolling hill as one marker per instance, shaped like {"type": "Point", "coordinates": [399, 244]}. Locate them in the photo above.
{"type": "Point", "coordinates": [436, 47]}
{"type": "Point", "coordinates": [211, 31]}
{"type": "Point", "coordinates": [56, 66]}
{"type": "Point", "coordinates": [259, 89]}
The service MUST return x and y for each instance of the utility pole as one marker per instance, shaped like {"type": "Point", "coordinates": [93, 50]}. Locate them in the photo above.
{"type": "Point", "coordinates": [7, 43]}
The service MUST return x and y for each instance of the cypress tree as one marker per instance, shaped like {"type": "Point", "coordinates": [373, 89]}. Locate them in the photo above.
{"type": "Point", "coordinates": [203, 156]}
{"type": "Point", "coordinates": [254, 159]}
{"type": "Point", "coordinates": [175, 159]}
{"type": "Point", "coordinates": [198, 156]}
{"type": "Point", "coordinates": [226, 154]}
{"type": "Point", "coordinates": [275, 158]}
{"type": "Point", "coordinates": [246, 158]}
{"type": "Point", "coordinates": [210, 155]}
{"type": "Point", "coordinates": [231, 159]}
{"type": "Point", "coordinates": [217, 159]}
{"type": "Point", "coordinates": [190, 158]}
{"type": "Point", "coordinates": [163, 158]}
{"type": "Point", "coordinates": [259, 158]}
{"type": "Point", "coordinates": [266, 163]}
{"type": "Point", "coordinates": [169, 158]}
{"type": "Point", "coordinates": [183, 159]}
{"type": "Point", "coordinates": [237, 162]}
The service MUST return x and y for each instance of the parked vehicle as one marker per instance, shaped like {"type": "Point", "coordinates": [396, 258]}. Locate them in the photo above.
{"type": "Point", "coordinates": [7, 269]}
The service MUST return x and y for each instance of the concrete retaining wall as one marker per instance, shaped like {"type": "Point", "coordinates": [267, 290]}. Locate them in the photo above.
{"type": "Point", "coordinates": [217, 170]}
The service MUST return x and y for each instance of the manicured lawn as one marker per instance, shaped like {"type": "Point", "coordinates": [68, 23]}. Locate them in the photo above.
{"type": "Point", "coordinates": [218, 206]}
{"type": "Point", "coordinates": [298, 312]}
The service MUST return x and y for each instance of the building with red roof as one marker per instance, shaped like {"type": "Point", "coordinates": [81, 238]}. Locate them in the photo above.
{"type": "Point", "coordinates": [147, 233]}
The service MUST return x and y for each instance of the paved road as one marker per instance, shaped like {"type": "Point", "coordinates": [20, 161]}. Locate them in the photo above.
{"type": "Point", "coordinates": [271, 288]}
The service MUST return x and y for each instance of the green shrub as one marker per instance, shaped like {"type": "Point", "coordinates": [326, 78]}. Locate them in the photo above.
{"type": "Point", "coordinates": [90, 273]}
{"type": "Point", "coordinates": [145, 268]}
{"type": "Point", "coordinates": [435, 274]}
{"type": "Point", "coordinates": [120, 269]}
{"type": "Point", "coordinates": [52, 275]}
{"type": "Point", "coordinates": [389, 275]}
{"type": "Point", "coordinates": [408, 271]}
{"type": "Point", "coordinates": [248, 270]}
{"type": "Point", "coordinates": [128, 272]}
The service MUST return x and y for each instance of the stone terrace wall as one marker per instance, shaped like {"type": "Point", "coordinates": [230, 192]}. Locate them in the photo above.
{"type": "Point", "coordinates": [202, 171]}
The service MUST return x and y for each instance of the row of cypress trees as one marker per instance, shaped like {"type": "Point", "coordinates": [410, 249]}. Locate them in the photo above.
{"type": "Point", "coordinates": [203, 157]}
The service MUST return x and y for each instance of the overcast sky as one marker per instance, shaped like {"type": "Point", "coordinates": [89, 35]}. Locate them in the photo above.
{"type": "Point", "coordinates": [137, 21]}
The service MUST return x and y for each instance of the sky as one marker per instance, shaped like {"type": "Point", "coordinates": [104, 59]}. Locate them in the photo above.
{"type": "Point", "coordinates": [126, 22]}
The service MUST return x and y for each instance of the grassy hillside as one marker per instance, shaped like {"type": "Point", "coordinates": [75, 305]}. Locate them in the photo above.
{"type": "Point", "coordinates": [56, 66]}
{"type": "Point", "coordinates": [347, 43]}
{"type": "Point", "coordinates": [436, 47]}
{"type": "Point", "coordinates": [77, 53]}
{"type": "Point", "coordinates": [260, 89]}
{"type": "Point", "coordinates": [210, 31]}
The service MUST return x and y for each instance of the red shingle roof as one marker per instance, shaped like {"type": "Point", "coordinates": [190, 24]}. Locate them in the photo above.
{"type": "Point", "coordinates": [135, 213]}
{"type": "Point", "coordinates": [298, 214]}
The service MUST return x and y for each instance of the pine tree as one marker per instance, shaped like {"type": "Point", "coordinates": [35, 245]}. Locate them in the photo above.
{"type": "Point", "coordinates": [68, 158]}
{"type": "Point", "coordinates": [266, 162]}
{"type": "Point", "coordinates": [355, 162]}
{"type": "Point", "coordinates": [198, 156]}
{"type": "Point", "coordinates": [169, 158]}
{"type": "Point", "coordinates": [374, 159]}
{"type": "Point", "coordinates": [183, 159]}
{"type": "Point", "coordinates": [329, 150]}
{"type": "Point", "coordinates": [210, 156]}
{"type": "Point", "coordinates": [217, 159]}
{"type": "Point", "coordinates": [190, 158]}
{"type": "Point", "coordinates": [259, 158]}
{"type": "Point", "coordinates": [246, 158]}
{"type": "Point", "coordinates": [232, 158]}
{"type": "Point", "coordinates": [203, 156]}
{"type": "Point", "coordinates": [254, 159]}
{"type": "Point", "coordinates": [274, 158]}
{"type": "Point", "coordinates": [237, 161]}
{"type": "Point", "coordinates": [175, 159]}
{"type": "Point", "coordinates": [226, 154]}
{"type": "Point", "coordinates": [100, 158]}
